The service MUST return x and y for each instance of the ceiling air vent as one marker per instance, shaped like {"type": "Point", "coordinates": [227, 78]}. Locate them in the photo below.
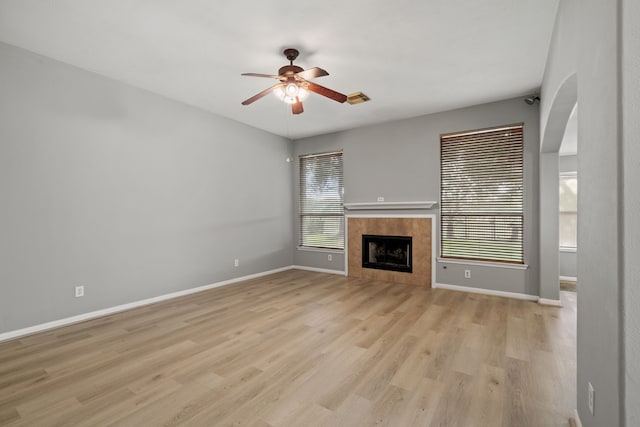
{"type": "Point", "coordinates": [357, 98]}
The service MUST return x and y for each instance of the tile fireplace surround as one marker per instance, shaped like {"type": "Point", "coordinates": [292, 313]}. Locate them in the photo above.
{"type": "Point", "coordinates": [418, 227]}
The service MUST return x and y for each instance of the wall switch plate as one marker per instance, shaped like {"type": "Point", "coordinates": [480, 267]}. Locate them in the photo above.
{"type": "Point", "coordinates": [236, 262]}
{"type": "Point", "coordinates": [467, 274]}
{"type": "Point", "coordinates": [591, 398]}
{"type": "Point", "coordinates": [79, 291]}
{"type": "Point", "coordinates": [380, 199]}
{"type": "Point", "coordinates": [329, 257]}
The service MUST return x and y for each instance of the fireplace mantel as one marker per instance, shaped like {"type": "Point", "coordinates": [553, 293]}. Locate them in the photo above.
{"type": "Point", "coordinates": [389, 205]}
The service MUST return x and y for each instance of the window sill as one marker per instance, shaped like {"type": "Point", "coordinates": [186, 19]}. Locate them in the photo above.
{"type": "Point", "coordinates": [568, 249]}
{"type": "Point", "coordinates": [326, 250]}
{"type": "Point", "coordinates": [506, 265]}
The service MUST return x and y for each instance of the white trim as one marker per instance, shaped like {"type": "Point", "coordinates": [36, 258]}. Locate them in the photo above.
{"type": "Point", "coordinates": [389, 205]}
{"type": "Point", "coordinates": [568, 153]}
{"type": "Point", "coordinates": [568, 249]}
{"type": "Point", "coordinates": [433, 240]}
{"type": "Point", "coordinates": [318, 270]}
{"type": "Point", "coordinates": [483, 263]}
{"type": "Point", "coordinates": [111, 310]}
{"type": "Point", "coordinates": [327, 250]}
{"type": "Point", "coordinates": [577, 418]}
{"type": "Point", "coordinates": [568, 278]}
{"type": "Point", "coordinates": [483, 291]}
{"type": "Point", "coordinates": [326, 153]}
{"type": "Point", "coordinates": [550, 302]}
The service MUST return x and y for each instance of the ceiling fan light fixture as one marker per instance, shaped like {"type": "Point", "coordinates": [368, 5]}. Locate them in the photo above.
{"type": "Point", "coordinates": [302, 93]}
{"type": "Point", "coordinates": [292, 90]}
{"type": "Point", "coordinates": [279, 93]}
{"type": "Point", "coordinates": [289, 93]}
{"type": "Point", "coordinates": [290, 99]}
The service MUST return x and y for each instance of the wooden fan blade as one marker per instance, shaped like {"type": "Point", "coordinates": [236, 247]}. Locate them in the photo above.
{"type": "Point", "coordinates": [261, 94]}
{"type": "Point", "coordinates": [312, 73]}
{"type": "Point", "coordinates": [269, 76]}
{"type": "Point", "coordinates": [296, 108]}
{"type": "Point", "coordinates": [324, 91]}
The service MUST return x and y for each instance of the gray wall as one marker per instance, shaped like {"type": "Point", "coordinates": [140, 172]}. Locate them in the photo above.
{"type": "Point", "coordinates": [549, 229]}
{"type": "Point", "coordinates": [127, 193]}
{"type": "Point", "coordinates": [400, 161]}
{"type": "Point", "coordinates": [568, 259]}
{"type": "Point", "coordinates": [631, 194]}
{"type": "Point", "coordinates": [568, 163]}
{"type": "Point", "coordinates": [599, 234]}
{"type": "Point", "coordinates": [568, 264]}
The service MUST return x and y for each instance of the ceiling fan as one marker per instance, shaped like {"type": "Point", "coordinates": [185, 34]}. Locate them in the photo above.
{"type": "Point", "coordinates": [294, 85]}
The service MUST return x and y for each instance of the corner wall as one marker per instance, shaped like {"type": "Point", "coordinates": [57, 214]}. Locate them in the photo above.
{"type": "Point", "coordinates": [600, 205]}
{"type": "Point", "coordinates": [127, 193]}
{"type": "Point", "coordinates": [549, 226]}
{"type": "Point", "coordinates": [631, 165]}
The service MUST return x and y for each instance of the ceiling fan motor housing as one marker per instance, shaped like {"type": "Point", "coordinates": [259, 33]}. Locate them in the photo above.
{"type": "Point", "coordinates": [289, 69]}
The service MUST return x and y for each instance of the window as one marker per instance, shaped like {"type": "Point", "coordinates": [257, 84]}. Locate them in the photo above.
{"type": "Point", "coordinates": [481, 195]}
{"type": "Point", "coordinates": [568, 210]}
{"type": "Point", "coordinates": [321, 201]}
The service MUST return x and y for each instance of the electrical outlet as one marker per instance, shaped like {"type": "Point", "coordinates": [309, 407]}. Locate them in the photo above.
{"type": "Point", "coordinates": [79, 291]}
{"type": "Point", "coordinates": [380, 199]}
{"type": "Point", "coordinates": [236, 262]}
{"type": "Point", "coordinates": [467, 274]}
{"type": "Point", "coordinates": [329, 257]}
{"type": "Point", "coordinates": [591, 398]}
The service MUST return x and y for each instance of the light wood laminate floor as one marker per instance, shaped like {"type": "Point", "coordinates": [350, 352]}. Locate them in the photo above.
{"type": "Point", "coordinates": [301, 349]}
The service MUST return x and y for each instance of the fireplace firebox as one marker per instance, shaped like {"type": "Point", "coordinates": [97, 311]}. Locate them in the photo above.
{"type": "Point", "coordinates": [387, 252]}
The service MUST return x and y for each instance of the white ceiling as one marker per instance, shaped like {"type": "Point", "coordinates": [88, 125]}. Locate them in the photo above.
{"type": "Point", "coordinates": [411, 57]}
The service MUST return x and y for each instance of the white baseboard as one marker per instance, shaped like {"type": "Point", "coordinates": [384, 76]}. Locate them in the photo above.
{"type": "Point", "coordinates": [568, 279]}
{"type": "Point", "coordinates": [577, 418]}
{"type": "Point", "coordinates": [111, 310]}
{"type": "Point", "coordinates": [515, 295]}
{"type": "Point", "coordinates": [318, 270]}
{"type": "Point", "coordinates": [551, 302]}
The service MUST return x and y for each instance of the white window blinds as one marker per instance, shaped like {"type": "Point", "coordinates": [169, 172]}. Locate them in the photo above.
{"type": "Point", "coordinates": [321, 201]}
{"type": "Point", "coordinates": [481, 195]}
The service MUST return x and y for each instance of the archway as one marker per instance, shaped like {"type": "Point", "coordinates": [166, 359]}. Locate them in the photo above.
{"type": "Point", "coordinates": [562, 104]}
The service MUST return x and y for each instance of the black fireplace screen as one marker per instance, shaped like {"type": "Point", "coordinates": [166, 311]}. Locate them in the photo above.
{"type": "Point", "coordinates": [387, 252]}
